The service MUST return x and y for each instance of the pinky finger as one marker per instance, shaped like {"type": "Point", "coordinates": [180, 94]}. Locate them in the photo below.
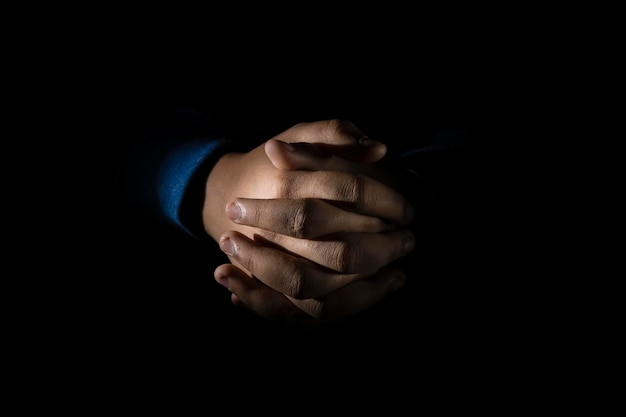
{"type": "Point", "coordinates": [257, 297]}
{"type": "Point", "coordinates": [355, 297]}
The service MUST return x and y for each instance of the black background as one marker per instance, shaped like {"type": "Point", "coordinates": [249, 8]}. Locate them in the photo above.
{"type": "Point", "coordinates": [167, 288]}
{"type": "Point", "coordinates": [117, 299]}
{"type": "Point", "coordinates": [468, 298]}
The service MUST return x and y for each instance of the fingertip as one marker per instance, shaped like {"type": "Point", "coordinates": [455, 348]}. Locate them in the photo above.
{"type": "Point", "coordinates": [220, 271]}
{"type": "Point", "coordinates": [368, 142]}
{"type": "Point", "coordinates": [277, 152]}
{"type": "Point", "coordinates": [397, 281]}
{"type": "Point", "coordinates": [274, 145]}
{"type": "Point", "coordinates": [226, 245]}
{"type": "Point", "coordinates": [221, 276]}
{"type": "Point", "coordinates": [382, 149]}
{"type": "Point", "coordinates": [376, 153]}
{"type": "Point", "coordinates": [409, 243]}
{"type": "Point", "coordinates": [236, 300]}
{"type": "Point", "coordinates": [271, 149]}
{"type": "Point", "coordinates": [373, 151]}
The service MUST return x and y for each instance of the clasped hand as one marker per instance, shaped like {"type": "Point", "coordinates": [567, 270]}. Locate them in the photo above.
{"type": "Point", "coordinates": [310, 221]}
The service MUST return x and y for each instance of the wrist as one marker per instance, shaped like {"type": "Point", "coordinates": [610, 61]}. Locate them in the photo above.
{"type": "Point", "coordinates": [217, 192]}
{"type": "Point", "coordinates": [193, 206]}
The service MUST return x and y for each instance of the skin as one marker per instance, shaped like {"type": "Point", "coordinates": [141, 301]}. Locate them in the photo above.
{"type": "Point", "coordinates": [310, 223]}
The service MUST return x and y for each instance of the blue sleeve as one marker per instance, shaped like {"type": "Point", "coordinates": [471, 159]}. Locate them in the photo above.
{"type": "Point", "coordinates": [163, 161]}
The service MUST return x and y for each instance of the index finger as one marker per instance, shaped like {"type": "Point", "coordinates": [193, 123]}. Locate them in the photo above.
{"type": "Point", "coordinates": [351, 191]}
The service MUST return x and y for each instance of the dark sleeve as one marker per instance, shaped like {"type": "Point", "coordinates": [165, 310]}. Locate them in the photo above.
{"type": "Point", "coordinates": [444, 179]}
{"type": "Point", "coordinates": [164, 169]}
{"type": "Point", "coordinates": [440, 173]}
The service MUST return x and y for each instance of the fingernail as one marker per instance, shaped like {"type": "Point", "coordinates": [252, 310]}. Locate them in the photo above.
{"type": "Point", "coordinates": [224, 281]}
{"type": "Point", "coordinates": [366, 141]}
{"type": "Point", "coordinates": [233, 210]}
{"type": "Point", "coordinates": [227, 246]}
{"type": "Point", "coordinates": [409, 243]}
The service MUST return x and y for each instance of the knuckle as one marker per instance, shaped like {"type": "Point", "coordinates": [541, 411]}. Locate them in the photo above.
{"type": "Point", "coordinates": [284, 186]}
{"type": "Point", "coordinates": [297, 222]}
{"type": "Point", "coordinates": [338, 126]}
{"type": "Point", "coordinates": [248, 259]}
{"type": "Point", "coordinates": [293, 279]}
{"type": "Point", "coordinates": [352, 190]}
{"type": "Point", "coordinates": [318, 310]}
{"type": "Point", "coordinates": [301, 223]}
{"type": "Point", "coordinates": [345, 256]}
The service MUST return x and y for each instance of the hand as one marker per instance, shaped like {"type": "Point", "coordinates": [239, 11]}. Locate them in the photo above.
{"type": "Point", "coordinates": [249, 292]}
{"type": "Point", "coordinates": [325, 247]}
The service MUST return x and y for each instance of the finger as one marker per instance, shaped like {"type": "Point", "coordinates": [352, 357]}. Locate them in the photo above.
{"type": "Point", "coordinates": [355, 192]}
{"type": "Point", "coordinates": [317, 157]}
{"type": "Point", "coordinates": [255, 296]}
{"type": "Point", "coordinates": [304, 155]}
{"type": "Point", "coordinates": [272, 305]}
{"type": "Point", "coordinates": [338, 137]}
{"type": "Point", "coordinates": [354, 297]}
{"type": "Point", "coordinates": [301, 218]}
{"type": "Point", "coordinates": [296, 276]}
{"type": "Point", "coordinates": [291, 156]}
{"type": "Point", "coordinates": [348, 253]}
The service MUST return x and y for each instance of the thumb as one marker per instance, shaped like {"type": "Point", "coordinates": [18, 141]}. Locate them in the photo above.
{"type": "Point", "coordinates": [337, 137]}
